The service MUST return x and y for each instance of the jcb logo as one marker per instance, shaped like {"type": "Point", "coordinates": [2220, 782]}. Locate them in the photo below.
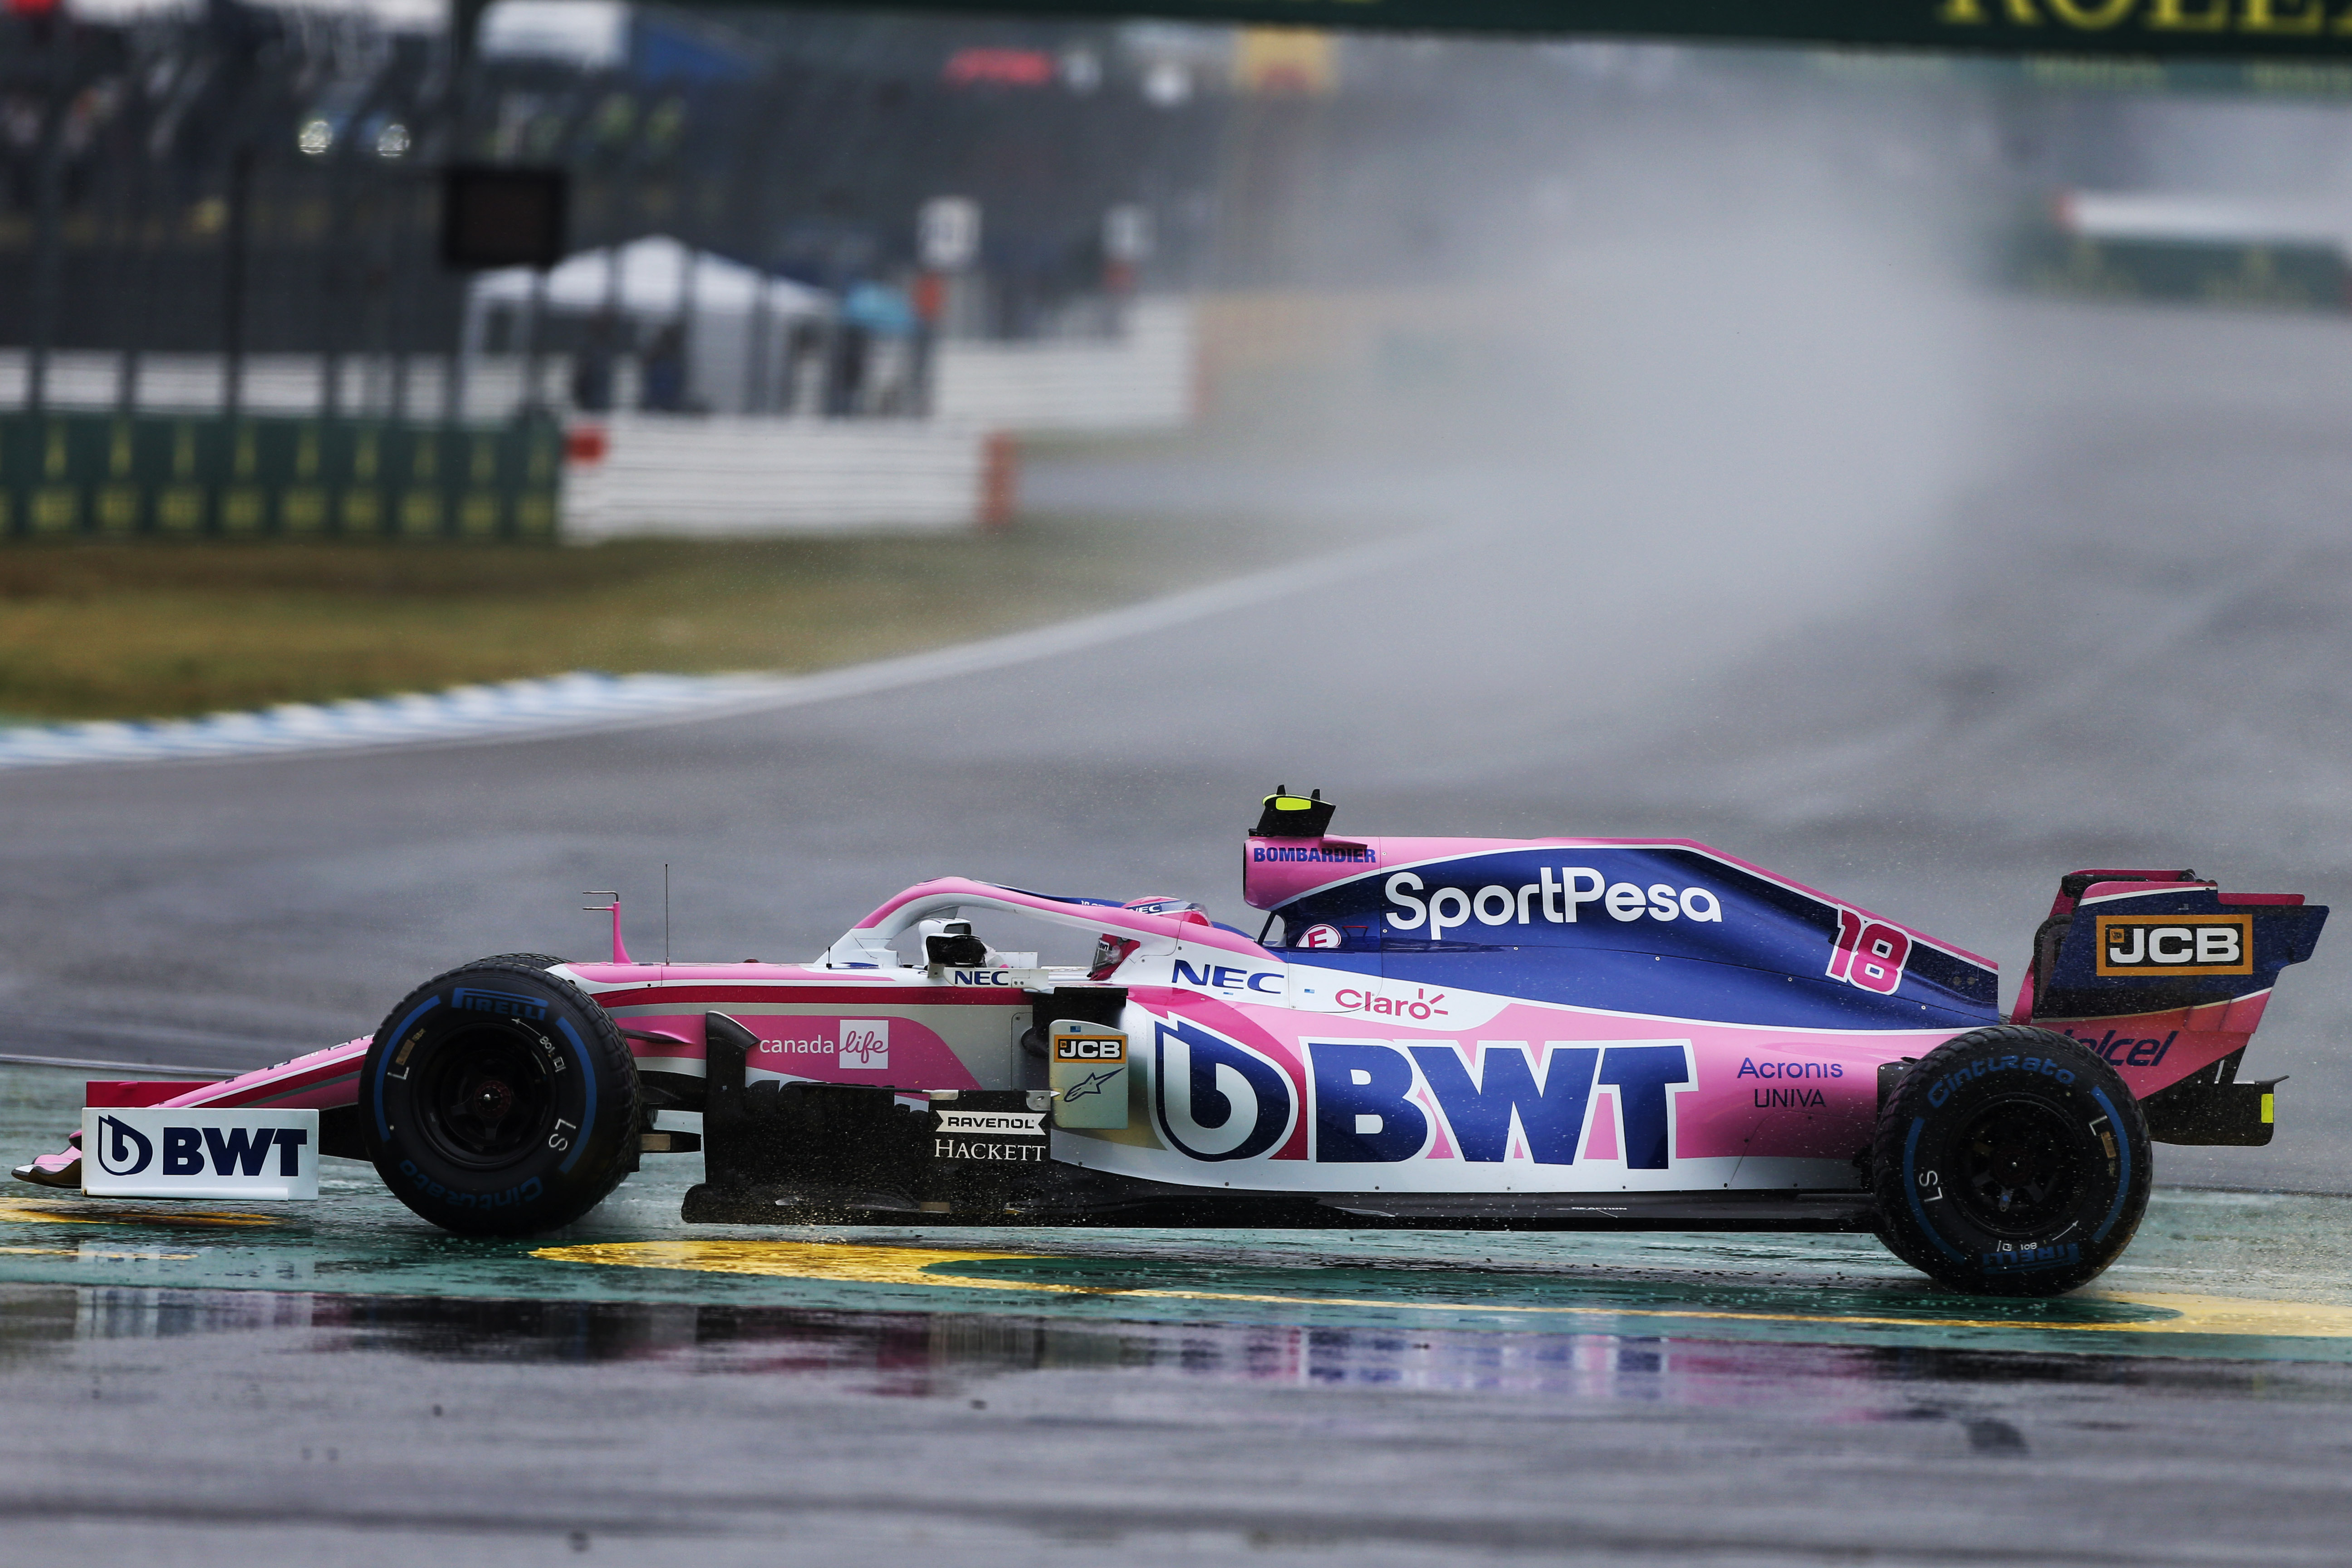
{"type": "Point", "coordinates": [1090, 1048]}
{"type": "Point", "coordinates": [2141, 945]}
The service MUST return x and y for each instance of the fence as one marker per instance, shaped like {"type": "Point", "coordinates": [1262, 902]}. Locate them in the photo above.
{"type": "Point", "coordinates": [131, 449]}
{"type": "Point", "coordinates": [379, 387]}
{"type": "Point", "coordinates": [1140, 379]}
{"type": "Point", "coordinates": [117, 476]}
{"type": "Point", "coordinates": [2292, 274]}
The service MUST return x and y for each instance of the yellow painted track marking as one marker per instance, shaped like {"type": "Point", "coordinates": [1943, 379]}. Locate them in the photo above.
{"type": "Point", "coordinates": [81, 1211]}
{"type": "Point", "coordinates": [44, 1213]}
{"type": "Point", "coordinates": [2237, 1315]}
{"type": "Point", "coordinates": [807, 1260]}
{"type": "Point", "coordinates": [936, 1268]}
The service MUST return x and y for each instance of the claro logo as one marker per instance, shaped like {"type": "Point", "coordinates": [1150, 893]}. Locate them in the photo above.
{"type": "Point", "coordinates": [1557, 901]}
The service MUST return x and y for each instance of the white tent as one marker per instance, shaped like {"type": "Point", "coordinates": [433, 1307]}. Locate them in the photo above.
{"type": "Point", "coordinates": [653, 282]}
{"type": "Point", "coordinates": [592, 35]}
{"type": "Point", "coordinates": [737, 320]}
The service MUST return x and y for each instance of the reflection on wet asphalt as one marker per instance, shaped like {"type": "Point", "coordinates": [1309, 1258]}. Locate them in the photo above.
{"type": "Point", "coordinates": [341, 1383]}
{"type": "Point", "coordinates": [368, 1430]}
{"type": "Point", "coordinates": [2249, 1275]}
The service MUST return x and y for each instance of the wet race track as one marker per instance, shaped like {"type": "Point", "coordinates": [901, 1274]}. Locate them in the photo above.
{"type": "Point", "coordinates": [2112, 637]}
{"type": "Point", "coordinates": [346, 1383]}
{"type": "Point", "coordinates": [343, 1380]}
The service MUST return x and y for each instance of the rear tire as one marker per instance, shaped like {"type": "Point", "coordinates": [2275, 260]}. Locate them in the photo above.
{"type": "Point", "coordinates": [2009, 1162]}
{"type": "Point", "coordinates": [500, 1100]}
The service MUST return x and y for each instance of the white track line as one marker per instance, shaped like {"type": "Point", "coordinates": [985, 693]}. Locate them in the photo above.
{"type": "Point", "coordinates": [580, 702]}
{"type": "Point", "coordinates": [134, 1069]}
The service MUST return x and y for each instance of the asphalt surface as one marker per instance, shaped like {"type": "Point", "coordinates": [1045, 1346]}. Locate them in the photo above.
{"type": "Point", "coordinates": [2079, 601]}
{"type": "Point", "coordinates": [231, 1383]}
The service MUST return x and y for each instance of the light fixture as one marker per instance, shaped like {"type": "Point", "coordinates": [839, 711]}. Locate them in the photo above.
{"type": "Point", "coordinates": [1166, 84]}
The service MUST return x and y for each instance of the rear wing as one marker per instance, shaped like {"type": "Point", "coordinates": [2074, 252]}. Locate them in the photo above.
{"type": "Point", "coordinates": [2166, 977]}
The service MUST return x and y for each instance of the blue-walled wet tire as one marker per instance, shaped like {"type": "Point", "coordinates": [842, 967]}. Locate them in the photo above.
{"type": "Point", "coordinates": [500, 1100]}
{"type": "Point", "coordinates": [2009, 1162]}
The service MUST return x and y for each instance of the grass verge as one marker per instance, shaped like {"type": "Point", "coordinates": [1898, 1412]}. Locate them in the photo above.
{"type": "Point", "coordinates": [158, 631]}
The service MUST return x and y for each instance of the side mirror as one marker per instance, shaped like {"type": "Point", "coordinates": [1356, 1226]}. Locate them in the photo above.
{"type": "Point", "coordinates": [956, 947]}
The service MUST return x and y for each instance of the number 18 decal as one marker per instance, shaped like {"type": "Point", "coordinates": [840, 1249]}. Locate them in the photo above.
{"type": "Point", "coordinates": [1868, 954]}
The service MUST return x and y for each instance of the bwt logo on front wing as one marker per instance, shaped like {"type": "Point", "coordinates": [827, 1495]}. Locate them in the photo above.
{"type": "Point", "coordinates": [1557, 901]}
{"type": "Point", "coordinates": [2137, 946]}
{"type": "Point", "coordinates": [200, 1152]}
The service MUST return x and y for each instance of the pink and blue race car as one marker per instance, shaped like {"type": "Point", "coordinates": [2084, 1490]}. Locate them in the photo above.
{"type": "Point", "coordinates": [1538, 1033]}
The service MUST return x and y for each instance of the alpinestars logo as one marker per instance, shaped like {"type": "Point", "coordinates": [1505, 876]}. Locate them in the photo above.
{"type": "Point", "coordinates": [1093, 1084]}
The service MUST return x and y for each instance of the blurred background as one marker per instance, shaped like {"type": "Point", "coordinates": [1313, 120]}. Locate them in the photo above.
{"type": "Point", "coordinates": [581, 269]}
{"type": "Point", "coordinates": [1921, 474]}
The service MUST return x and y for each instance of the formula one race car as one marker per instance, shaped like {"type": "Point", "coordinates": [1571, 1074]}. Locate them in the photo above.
{"type": "Point", "coordinates": [1438, 1032]}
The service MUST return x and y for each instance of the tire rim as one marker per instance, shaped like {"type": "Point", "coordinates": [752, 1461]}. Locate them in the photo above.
{"type": "Point", "coordinates": [2018, 1167]}
{"type": "Point", "coordinates": [487, 1098]}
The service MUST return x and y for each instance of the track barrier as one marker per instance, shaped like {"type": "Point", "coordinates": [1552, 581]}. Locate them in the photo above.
{"type": "Point", "coordinates": [66, 475]}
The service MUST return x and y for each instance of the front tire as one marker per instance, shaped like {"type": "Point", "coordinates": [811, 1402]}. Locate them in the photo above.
{"type": "Point", "coordinates": [500, 1100]}
{"type": "Point", "coordinates": [2009, 1162]}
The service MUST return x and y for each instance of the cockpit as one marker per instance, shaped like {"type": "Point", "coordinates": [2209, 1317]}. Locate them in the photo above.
{"type": "Point", "coordinates": [950, 942]}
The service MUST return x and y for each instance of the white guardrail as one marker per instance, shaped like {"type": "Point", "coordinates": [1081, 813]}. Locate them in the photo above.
{"type": "Point", "coordinates": [680, 475]}
{"type": "Point", "coordinates": [1146, 379]}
